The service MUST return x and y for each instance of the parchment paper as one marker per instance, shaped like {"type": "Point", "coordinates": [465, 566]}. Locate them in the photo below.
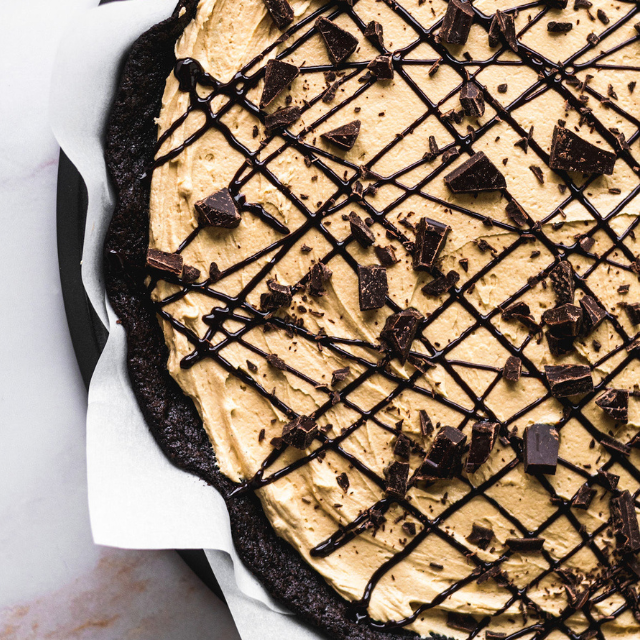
{"type": "Point", "coordinates": [137, 499]}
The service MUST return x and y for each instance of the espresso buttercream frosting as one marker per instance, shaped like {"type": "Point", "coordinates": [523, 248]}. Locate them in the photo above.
{"type": "Point", "coordinates": [402, 329]}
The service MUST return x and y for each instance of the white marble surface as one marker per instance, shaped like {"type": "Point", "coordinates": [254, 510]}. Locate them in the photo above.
{"type": "Point", "coordinates": [54, 582]}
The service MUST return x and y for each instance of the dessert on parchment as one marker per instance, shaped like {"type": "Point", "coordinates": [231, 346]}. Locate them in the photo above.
{"type": "Point", "coordinates": [378, 266]}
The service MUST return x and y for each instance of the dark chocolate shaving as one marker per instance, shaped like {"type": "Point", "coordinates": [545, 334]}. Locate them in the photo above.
{"type": "Point", "coordinates": [625, 522]}
{"type": "Point", "coordinates": [426, 426]}
{"type": "Point", "coordinates": [372, 287]}
{"type": "Point", "coordinates": [340, 375]}
{"type": "Point", "coordinates": [541, 443]}
{"type": "Point", "coordinates": [480, 536]}
{"type": "Point", "coordinates": [517, 213]}
{"type": "Point", "coordinates": [279, 296]}
{"type": "Point", "coordinates": [521, 312]}
{"type": "Point", "coordinates": [569, 152]}
{"type": "Point", "coordinates": [300, 432]}
{"type": "Point", "coordinates": [478, 173]}
{"type": "Point", "coordinates": [615, 403]}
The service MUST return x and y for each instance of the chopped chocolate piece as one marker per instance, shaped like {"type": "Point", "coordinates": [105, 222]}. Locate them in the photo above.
{"type": "Point", "coordinates": [454, 152]}
{"type": "Point", "coordinates": [190, 274]}
{"type": "Point", "coordinates": [345, 136]}
{"type": "Point", "coordinates": [472, 100]}
{"type": "Point", "coordinates": [278, 76]}
{"type": "Point", "coordinates": [214, 272]}
{"type": "Point", "coordinates": [441, 285]}
{"type": "Point", "coordinates": [342, 480]}
{"type": "Point", "coordinates": [340, 43]}
{"type": "Point", "coordinates": [559, 27]}
{"type": "Point", "coordinates": [495, 635]}
{"type": "Point", "coordinates": [633, 312]}
{"type": "Point", "coordinates": [360, 230]}
{"type": "Point", "coordinates": [399, 331]}
{"type": "Point", "coordinates": [483, 438]}
{"type": "Point", "coordinates": [280, 11]}
{"type": "Point", "coordinates": [537, 172]}
{"type": "Point", "coordinates": [171, 263]}
{"type": "Point", "coordinates": [276, 362]}
{"type": "Point", "coordinates": [409, 528]}
{"type": "Point", "coordinates": [503, 23]}
{"type": "Point", "coordinates": [376, 517]}
{"type": "Point", "coordinates": [607, 480]}
{"type": "Point", "coordinates": [420, 362]}
{"type": "Point", "coordinates": [300, 432]}
{"type": "Point", "coordinates": [586, 243]}
{"type": "Point", "coordinates": [281, 119]}
{"type": "Point", "coordinates": [329, 95]}
{"type": "Point", "coordinates": [559, 345]}
{"type": "Point", "coordinates": [374, 33]}
{"type": "Point", "coordinates": [426, 426]}
{"type": "Point", "coordinates": [516, 213]}
{"type": "Point", "coordinates": [218, 210]}
{"type": "Point", "coordinates": [461, 621]}
{"type": "Point", "coordinates": [480, 536]}
{"type": "Point", "coordinates": [318, 275]}
{"type": "Point", "coordinates": [525, 545]}
{"type": "Point", "coordinates": [564, 321]}
{"type": "Point", "coordinates": [339, 375]}
{"type": "Point", "coordinates": [623, 289]}
{"type": "Point", "coordinates": [382, 67]}
{"type": "Point", "coordinates": [498, 575]}
{"type": "Point", "coordinates": [253, 367]}
{"type": "Point", "coordinates": [521, 312]}
{"type": "Point", "coordinates": [562, 282]}
{"type": "Point", "coordinates": [372, 287]}
{"type": "Point", "coordinates": [613, 445]}
{"type": "Point", "coordinates": [569, 152]}
{"type": "Point", "coordinates": [444, 457]}
{"type": "Point", "coordinates": [512, 369]}
{"type": "Point", "coordinates": [433, 147]}
{"type": "Point", "coordinates": [397, 475]}
{"type": "Point", "coordinates": [615, 403]}
{"type": "Point", "coordinates": [484, 246]}
{"type": "Point", "coordinates": [478, 173]}
{"type": "Point", "coordinates": [583, 497]}
{"type": "Point", "coordinates": [592, 38]}
{"type": "Point", "coordinates": [582, 4]}
{"type": "Point", "coordinates": [602, 16]}
{"type": "Point", "coordinates": [464, 263]}
{"type": "Point", "coordinates": [568, 379]}
{"type": "Point", "coordinates": [386, 255]}
{"type": "Point", "coordinates": [592, 314]}
{"type": "Point", "coordinates": [503, 88]}
{"type": "Point", "coordinates": [402, 448]}
{"type": "Point", "coordinates": [541, 442]}
{"type": "Point", "coordinates": [430, 239]}
{"type": "Point", "coordinates": [457, 22]}
{"type": "Point", "coordinates": [279, 296]}
{"type": "Point", "coordinates": [625, 522]}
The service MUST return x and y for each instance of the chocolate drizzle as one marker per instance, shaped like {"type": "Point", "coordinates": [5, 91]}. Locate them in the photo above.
{"type": "Point", "coordinates": [550, 77]}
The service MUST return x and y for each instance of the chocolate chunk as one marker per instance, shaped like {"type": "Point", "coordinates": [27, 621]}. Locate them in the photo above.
{"type": "Point", "coordinates": [603, 17]}
{"type": "Point", "coordinates": [170, 263]}
{"type": "Point", "coordinates": [472, 100]}
{"type": "Point", "coordinates": [281, 119]}
{"type": "Point", "coordinates": [300, 432]}
{"type": "Point", "coordinates": [339, 375]}
{"type": "Point", "coordinates": [615, 403]}
{"type": "Point", "coordinates": [399, 331]}
{"type": "Point", "coordinates": [503, 88]}
{"type": "Point", "coordinates": [480, 536]}
{"type": "Point", "coordinates": [214, 272]}
{"type": "Point", "coordinates": [402, 448]}
{"type": "Point", "coordinates": [382, 67]}
{"type": "Point", "coordinates": [441, 284]}
{"type": "Point", "coordinates": [541, 442]}
{"type": "Point", "coordinates": [559, 27]}
{"type": "Point", "coordinates": [625, 522]}
{"type": "Point", "coordinates": [397, 475]}
{"type": "Point", "coordinates": [190, 274]}
{"type": "Point", "coordinates": [512, 369]}
{"type": "Point", "coordinates": [478, 173]}
{"type": "Point", "coordinates": [633, 312]}
{"type": "Point", "coordinates": [430, 239]}
{"type": "Point", "coordinates": [615, 446]}
{"type": "Point", "coordinates": [279, 296]}
{"type": "Point", "coordinates": [340, 43]}
{"type": "Point", "coordinates": [276, 362]}
{"type": "Point", "coordinates": [494, 635]}
{"type": "Point", "coordinates": [568, 379]}
{"type": "Point", "coordinates": [521, 312]}
{"type": "Point", "coordinates": [483, 437]}
{"type": "Point", "coordinates": [564, 321]}
{"type": "Point", "coordinates": [444, 457]}
{"type": "Point", "coordinates": [426, 426]}
{"type": "Point", "coordinates": [569, 152]}
{"type": "Point", "coordinates": [464, 263]}
{"type": "Point", "coordinates": [374, 33]}
{"type": "Point", "coordinates": [558, 345]}
{"type": "Point", "coordinates": [433, 147]}
{"type": "Point", "coordinates": [457, 22]}
{"type": "Point", "coordinates": [517, 213]}
{"type": "Point", "coordinates": [583, 497]}
{"type": "Point", "coordinates": [360, 230]}
{"type": "Point", "coordinates": [345, 136]}
{"type": "Point", "coordinates": [218, 210]}
{"type": "Point", "coordinates": [372, 287]}
{"type": "Point", "coordinates": [376, 517]}
{"type": "Point", "coordinates": [420, 362]}
{"type": "Point", "coordinates": [342, 480]}
{"type": "Point", "coordinates": [525, 545]}
{"type": "Point", "coordinates": [562, 282]}
{"type": "Point", "coordinates": [280, 11]}
{"type": "Point", "coordinates": [537, 172]}
{"type": "Point", "coordinates": [586, 243]}
{"type": "Point", "coordinates": [461, 621]}
{"type": "Point", "coordinates": [592, 314]}
{"type": "Point", "coordinates": [386, 255]}
{"type": "Point", "coordinates": [318, 275]}
{"type": "Point", "coordinates": [278, 76]}
{"type": "Point", "coordinates": [409, 528]}
{"type": "Point", "coordinates": [503, 24]}
{"type": "Point", "coordinates": [607, 480]}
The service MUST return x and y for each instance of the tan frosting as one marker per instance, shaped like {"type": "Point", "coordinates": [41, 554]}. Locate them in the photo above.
{"type": "Point", "coordinates": [306, 506]}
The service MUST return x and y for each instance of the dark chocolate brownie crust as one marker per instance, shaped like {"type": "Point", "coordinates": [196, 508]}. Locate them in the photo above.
{"type": "Point", "coordinates": [171, 416]}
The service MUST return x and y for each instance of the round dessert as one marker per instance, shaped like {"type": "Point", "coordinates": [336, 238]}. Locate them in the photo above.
{"type": "Point", "coordinates": [390, 248]}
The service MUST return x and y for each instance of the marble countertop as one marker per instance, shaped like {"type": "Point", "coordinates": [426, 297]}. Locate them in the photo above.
{"type": "Point", "coordinates": [54, 582]}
